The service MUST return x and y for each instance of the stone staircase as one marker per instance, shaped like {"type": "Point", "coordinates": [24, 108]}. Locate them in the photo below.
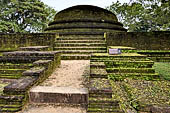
{"type": "Point", "coordinates": [79, 46]}
{"type": "Point", "coordinates": [100, 91]}
{"type": "Point", "coordinates": [119, 67]}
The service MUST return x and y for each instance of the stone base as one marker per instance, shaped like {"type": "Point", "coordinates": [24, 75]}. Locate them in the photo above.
{"type": "Point", "coordinates": [68, 95]}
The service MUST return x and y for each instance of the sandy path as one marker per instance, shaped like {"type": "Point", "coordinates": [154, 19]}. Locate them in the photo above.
{"type": "Point", "coordinates": [46, 108]}
{"type": "Point", "coordinates": [70, 74]}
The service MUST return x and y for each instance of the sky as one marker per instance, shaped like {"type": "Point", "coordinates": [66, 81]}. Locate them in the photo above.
{"type": "Point", "coordinates": [59, 5]}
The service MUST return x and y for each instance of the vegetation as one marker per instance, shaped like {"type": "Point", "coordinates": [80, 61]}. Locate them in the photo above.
{"type": "Point", "coordinates": [163, 69]}
{"type": "Point", "coordinates": [24, 16]}
{"type": "Point", "coordinates": [143, 15]}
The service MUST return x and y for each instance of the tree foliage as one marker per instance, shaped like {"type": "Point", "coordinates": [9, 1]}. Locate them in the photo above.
{"type": "Point", "coordinates": [24, 16]}
{"type": "Point", "coordinates": [143, 15]}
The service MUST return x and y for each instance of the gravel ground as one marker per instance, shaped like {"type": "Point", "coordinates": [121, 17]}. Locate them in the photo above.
{"type": "Point", "coordinates": [72, 73]}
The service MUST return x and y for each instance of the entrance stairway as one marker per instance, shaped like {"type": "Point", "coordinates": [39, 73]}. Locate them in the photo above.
{"type": "Point", "coordinates": [79, 46]}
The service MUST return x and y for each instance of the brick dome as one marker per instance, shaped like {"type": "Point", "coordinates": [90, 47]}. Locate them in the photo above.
{"type": "Point", "coordinates": [85, 18]}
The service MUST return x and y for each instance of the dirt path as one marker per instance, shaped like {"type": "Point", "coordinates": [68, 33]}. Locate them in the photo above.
{"type": "Point", "coordinates": [70, 74]}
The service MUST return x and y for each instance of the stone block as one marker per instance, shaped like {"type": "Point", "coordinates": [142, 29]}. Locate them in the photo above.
{"type": "Point", "coordinates": [34, 48]}
{"type": "Point", "coordinates": [20, 86]}
{"type": "Point", "coordinates": [68, 95]}
{"type": "Point", "coordinates": [36, 71]}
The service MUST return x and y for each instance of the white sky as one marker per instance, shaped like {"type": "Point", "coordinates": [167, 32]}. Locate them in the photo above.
{"type": "Point", "coordinates": [62, 4]}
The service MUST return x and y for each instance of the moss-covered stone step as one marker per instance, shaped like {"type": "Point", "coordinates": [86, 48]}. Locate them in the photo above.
{"type": "Point", "coordinates": [10, 76]}
{"type": "Point", "coordinates": [160, 59]}
{"type": "Point", "coordinates": [123, 56]}
{"type": "Point", "coordinates": [130, 70]}
{"type": "Point", "coordinates": [82, 51]}
{"type": "Point", "coordinates": [98, 73]}
{"type": "Point", "coordinates": [154, 52]}
{"type": "Point", "coordinates": [100, 95]}
{"type": "Point", "coordinates": [136, 64]}
{"type": "Point", "coordinates": [11, 98]}
{"type": "Point", "coordinates": [80, 41]}
{"type": "Point", "coordinates": [99, 85]}
{"type": "Point", "coordinates": [10, 106]}
{"type": "Point", "coordinates": [15, 66]}
{"type": "Point", "coordinates": [79, 44]}
{"type": "Point", "coordinates": [12, 71]}
{"type": "Point", "coordinates": [104, 110]}
{"type": "Point", "coordinates": [118, 60]}
{"type": "Point", "coordinates": [123, 49]}
{"type": "Point", "coordinates": [7, 110]}
{"type": "Point", "coordinates": [81, 48]}
{"type": "Point", "coordinates": [20, 86]}
{"type": "Point", "coordinates": [31, 54]}
{"type": "Point", "coordinates": [35, 48]}
{"type": "Point", "coordinates": [81, 38]}
{"type": "Point", "coordinates": [102, 101]}
{"type": "Point", "coordinates": [75, 57]}
{"type": "Point", "coordinates": [97, 65]}
{"type": "Point", "coordinates": [144, 76]}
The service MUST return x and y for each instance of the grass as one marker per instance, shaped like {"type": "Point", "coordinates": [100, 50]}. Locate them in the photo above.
{"type": "Point", "coordinates": [163, 68]}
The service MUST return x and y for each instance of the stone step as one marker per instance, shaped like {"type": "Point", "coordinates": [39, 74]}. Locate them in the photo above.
{"type": "Point", "coordinates": [67, 95]}
{"type": "Point", "coordinates": [11, 98]}
{"type": "Point", "coordinates": [81, 34]}
{"type": "Point", "coordinates": [10, 76]}
{"type": "Point", "coordinates": [98, 73]}
{"type": "Point", "coordinates": [34, 48]}
{"type": "Point", "coordinates": [10, 110]}
{"type": "Point", "coordinates": [75, 56]}
{"type": "Point", "coordinates": [146, 76]}
{"type": "Point", "coordinates": [82, 51]}
{"type": "Point", "coordinates": [11, 103]}
{"type": "Point", "coordinates": [123, 56]}
{"type": "Point", "coordinates": [101, 95]}
{"type": "Point", "coordinates": [104, 110]}
{"type": "Point", "coordinates": [100, 101]}
{"type": "Point", "coordinates": [130, 70]}
{"type": "Point", "coordinates": [81, 48]}
{"type": "Point", "coordinates": [81, 38]}
{"type": "Point", "coordinates": [155, 52]}
{"type": "Point", "coordinates": [119, 59]}
{"type": "Point", "coordinates": [20, 86]}
{"type": "Point", "coordinates": [136, 64]}
{"type": "Point", "coordinates": [125, 63]}
{"type": "Point", "coordinates": [79, 44]}
{"type": "Point", "coordinates": [15, 66]}
{"type": "Point", "coordinates": [80, 41]}
{"type": "Point", "coordinates": [12, 71]}
{"type": "Point", "coordinates": [97, 65]}
{"type": "Point", "coordinates": [160, 59]}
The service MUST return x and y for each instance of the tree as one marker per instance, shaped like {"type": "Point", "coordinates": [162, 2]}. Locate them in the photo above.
{"type": "Point", "coordinates": [143, 15]}
{"type": "Point", "coordinates": [25, 16]}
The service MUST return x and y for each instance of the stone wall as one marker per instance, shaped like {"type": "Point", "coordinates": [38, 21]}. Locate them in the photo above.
{"type": "Point", "coordinates": [140, 40]}
{"type": "Point", "coordinates": [11, 42]}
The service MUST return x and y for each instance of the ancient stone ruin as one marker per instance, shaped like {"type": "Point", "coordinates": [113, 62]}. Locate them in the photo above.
{"type": "Point", "coordinates": [117, 83]}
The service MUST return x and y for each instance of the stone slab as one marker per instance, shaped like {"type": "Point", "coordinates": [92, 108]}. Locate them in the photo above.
{"type": "Point", "coordinates": [51, 94]}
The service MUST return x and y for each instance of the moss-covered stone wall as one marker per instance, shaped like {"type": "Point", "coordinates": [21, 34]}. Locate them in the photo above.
{"type": "Point", "coordinates": [11, 42]}
{"type": "Point", "coordinates": [140, 40]}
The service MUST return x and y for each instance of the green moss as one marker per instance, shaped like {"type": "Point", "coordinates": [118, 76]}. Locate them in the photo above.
{"type": "Point", "coordinates": [146, 93]}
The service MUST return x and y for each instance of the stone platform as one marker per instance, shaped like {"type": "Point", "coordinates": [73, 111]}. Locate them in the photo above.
{"type": "Point", "coordinates": [52, 94]}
